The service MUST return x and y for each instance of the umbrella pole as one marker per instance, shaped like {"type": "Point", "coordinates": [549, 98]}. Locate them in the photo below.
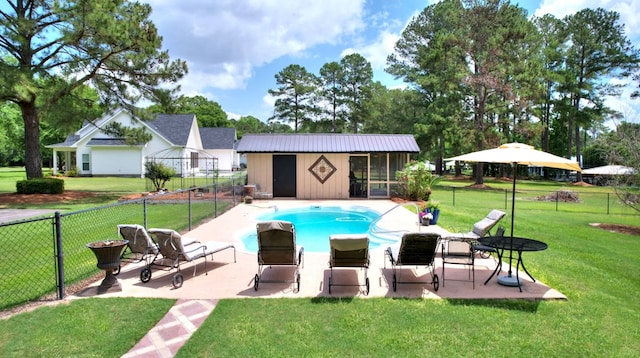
{"type": "Point", "coordinates": [509, 279]}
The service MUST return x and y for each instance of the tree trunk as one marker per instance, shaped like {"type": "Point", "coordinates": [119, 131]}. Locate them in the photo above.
{"type": "Point", "coordinates": [32, 158]}
{"type": "Point", "coordinates": [479, 174]}
{"type": "Point", "coordinates": [578, 151]}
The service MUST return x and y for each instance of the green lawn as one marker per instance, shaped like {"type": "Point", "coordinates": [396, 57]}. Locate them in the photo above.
{"type": "Point", "coordinates": [596, 269]}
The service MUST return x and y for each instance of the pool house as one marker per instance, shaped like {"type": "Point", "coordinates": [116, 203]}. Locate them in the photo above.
{"type": "Point", "coordinates": [326, 166]}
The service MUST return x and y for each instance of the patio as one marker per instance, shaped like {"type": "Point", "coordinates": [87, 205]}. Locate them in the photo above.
{"type": "Point", "coordinates": [226, 279]}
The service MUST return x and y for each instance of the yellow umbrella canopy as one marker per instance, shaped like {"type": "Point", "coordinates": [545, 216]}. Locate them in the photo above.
{"type": "Point", "coordinates": [519, 153]}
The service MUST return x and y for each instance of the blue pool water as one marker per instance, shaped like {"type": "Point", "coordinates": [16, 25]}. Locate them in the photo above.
{"type": "Point", "coordinates": [314, 224]}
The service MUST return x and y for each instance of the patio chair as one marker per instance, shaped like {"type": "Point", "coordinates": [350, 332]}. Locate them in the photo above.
{"type": "Point", "coordinates": [484, 250]}
{"type": "Point", "coordinates": [480, 229]}
{"type": "Point", "coordinates": [277, 247]}
{"type": "Point", "coordinates": [349, 250]}
{"type": "Point", "coordinates": [414, 249]}
{"type": "Point", "coordinates": [458, 251]}
{"type": "Point", "coordinates": [140, 246]}
{"type": "Point", "coordinates": [175, 249]}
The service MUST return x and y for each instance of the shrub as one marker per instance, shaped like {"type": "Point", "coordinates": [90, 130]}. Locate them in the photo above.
{"type": "Point", "coordinates": [40, 186]}
{"type": "Point", "coordinates": [415, 181]}
{"type": "Point", "coordinates": [158, 173]}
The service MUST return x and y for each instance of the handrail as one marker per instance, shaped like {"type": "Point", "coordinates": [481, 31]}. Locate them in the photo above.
{"type": "Point", "coordinates": [372, 225]}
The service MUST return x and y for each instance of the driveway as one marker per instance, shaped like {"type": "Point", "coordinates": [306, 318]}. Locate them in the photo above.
{"type": "Point", "coordinates": [7, 215]}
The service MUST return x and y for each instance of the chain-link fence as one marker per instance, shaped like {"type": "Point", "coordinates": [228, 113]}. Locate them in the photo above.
{"type": "Point", "coordinates": [564, 200]}
{"type": "Point", "coordinates": [43, 258]}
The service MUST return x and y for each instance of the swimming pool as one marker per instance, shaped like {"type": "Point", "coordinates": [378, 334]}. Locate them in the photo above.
{"type": "Point", "coordinates": [314, 224]}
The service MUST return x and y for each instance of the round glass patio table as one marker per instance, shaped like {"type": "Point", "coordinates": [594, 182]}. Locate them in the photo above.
{"type": "Point", "coordinates": [511, 244]}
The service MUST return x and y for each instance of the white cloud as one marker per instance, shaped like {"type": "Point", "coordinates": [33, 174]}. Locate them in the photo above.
{"type": "Point", "coordinates": [376, 53]}
{"type": "Point", "coordinates": [227, 39]}
{"type": "Point", "coordinates": [628, 10]}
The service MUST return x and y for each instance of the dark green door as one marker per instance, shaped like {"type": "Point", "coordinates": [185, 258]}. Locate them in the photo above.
{"type": "Point", "coordinates": [284, 176]}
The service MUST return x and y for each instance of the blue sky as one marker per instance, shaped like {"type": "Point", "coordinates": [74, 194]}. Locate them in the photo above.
{"type": "Point", "coordinates": [234, 48]}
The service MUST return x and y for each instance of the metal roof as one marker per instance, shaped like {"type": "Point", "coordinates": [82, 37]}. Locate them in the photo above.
{"type": "Point", "coordinates": [327, 143]}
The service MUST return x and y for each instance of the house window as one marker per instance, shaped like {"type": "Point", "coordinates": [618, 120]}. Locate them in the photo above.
{"type": "Point", "coordinates": [194, 159]}
{"type": "Point", "coordinates": [85, 162]}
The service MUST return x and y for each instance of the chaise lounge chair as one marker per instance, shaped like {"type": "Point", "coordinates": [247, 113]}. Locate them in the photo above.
{"type": "Point", "coordinates": [414, 249]}
{"type": "Point", "coordinates": [140, 246]}
{"type": "Point", "coordinates": [277, 247]}
{"type": "Point", "coordinates": [349, 250]}
{"type": "Point", "coordinates": [175, 249]}
{"type": "Point", "coordinates": [480, 229]}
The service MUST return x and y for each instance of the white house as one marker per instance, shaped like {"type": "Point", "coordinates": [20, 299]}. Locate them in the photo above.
{"type": "Point", "coordinates": [176, 140]}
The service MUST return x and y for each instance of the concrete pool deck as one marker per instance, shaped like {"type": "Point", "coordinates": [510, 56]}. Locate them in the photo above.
{"type": "Point", "coordinates": [199, 294]}
{"type": "Point", "coordinates": [226, 279]}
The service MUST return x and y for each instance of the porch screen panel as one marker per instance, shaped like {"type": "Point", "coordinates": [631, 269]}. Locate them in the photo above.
{"type": "Point", "coordinates": [378, 167]}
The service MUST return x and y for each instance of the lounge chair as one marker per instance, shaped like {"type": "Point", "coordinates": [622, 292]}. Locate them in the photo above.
{"type": "Point", "coordinates": [175, 249]}
{"type": "Point", "coordinates": [414, 249]}
{"type": "Point", "coordinates": [480, 229]}
{"type": "Point", "coordinates": [277, 247]}
{"type": "Point", "coordinates": [349, 250]}
{"type": "Point", "coordinates": [140, 244]}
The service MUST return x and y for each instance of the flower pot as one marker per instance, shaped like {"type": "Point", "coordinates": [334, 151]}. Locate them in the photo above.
{"type": "Point", "coordinates": [108, 254]}
{"type": "Point", "coordinates": [434, 213]}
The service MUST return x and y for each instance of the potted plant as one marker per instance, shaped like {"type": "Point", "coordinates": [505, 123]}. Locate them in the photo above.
{"type": "Point", "coordinates": [433, 207]}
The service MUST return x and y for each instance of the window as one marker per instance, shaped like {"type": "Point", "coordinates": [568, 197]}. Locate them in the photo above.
{"type": "Point", "coordinates": [85, 162]}
{"type": "Point", "coordinates": [194, 159]}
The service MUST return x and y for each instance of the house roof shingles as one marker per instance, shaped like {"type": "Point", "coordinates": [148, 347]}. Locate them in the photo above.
{"type": "Point", "coordinates": [218, 138]}
{"type": "Point", "coordinates": [327, 143]}
{"type": "Point", "coordinates": [175, 127]}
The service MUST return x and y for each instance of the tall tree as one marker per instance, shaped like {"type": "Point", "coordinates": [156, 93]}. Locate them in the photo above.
{"type": "Point", "coordinates": [209, 113]}
{"type": "Point", "coordinates": [295, 96]}
{"type": "Point", "coordinates": [110, 44]}
{"type": "Point", "coordinates": [11, 135]}
{"type": "Point", "coordinates": [249, 124]}
{"type": "Point", "coordinates": [356, 82]}
{"type": "Point", "coordinates": [430, 57]}
{"type": "Point", "coordinates": [598, 50]}
{"type": "Point", "coordinates": [330, 95]}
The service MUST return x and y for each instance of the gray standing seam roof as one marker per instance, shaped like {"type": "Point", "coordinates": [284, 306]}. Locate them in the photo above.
{"type": "Point", "coordinates": [327, 143]}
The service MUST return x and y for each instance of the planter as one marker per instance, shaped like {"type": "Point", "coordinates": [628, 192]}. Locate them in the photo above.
{"type": "Point", "coordinates": [108, 254]}
{"type": "Point", "coordinates": [435, 213]}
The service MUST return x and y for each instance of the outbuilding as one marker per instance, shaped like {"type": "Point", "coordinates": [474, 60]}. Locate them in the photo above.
{"type": "Point", "coordinates": [326, 166]}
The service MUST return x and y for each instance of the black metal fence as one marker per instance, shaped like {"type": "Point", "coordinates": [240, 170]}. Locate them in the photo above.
{"type": "Point", "coordinates": [46, 258]}
{"type": "Point", "coordinates": [565, 200]}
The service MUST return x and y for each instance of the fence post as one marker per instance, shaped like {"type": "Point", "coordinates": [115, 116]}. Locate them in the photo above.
{"type": "Point", "coordinates": [454, 196]}
{"type": "Point", "coordinates": [215, 198]}
{"type": "Point", "coordinates": [144, 211]}
{"type": "Point", "coordinates": [506, 198]}
{"type": "Point", "coordinates": [557, 199]}
{"type": "Point", "coordinates": [608, 202]}
{"type": "Point", "coordinates": [59, 255]}
{"type": "Point", "coordinates": [189, 205]}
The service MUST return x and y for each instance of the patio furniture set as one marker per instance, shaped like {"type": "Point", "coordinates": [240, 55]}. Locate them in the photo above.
{"type": "Point", "coordinates": [167, 249]}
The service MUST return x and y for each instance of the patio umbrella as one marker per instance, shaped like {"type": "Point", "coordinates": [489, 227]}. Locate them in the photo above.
{"type": "Point", "coordinates": [514, 154]}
